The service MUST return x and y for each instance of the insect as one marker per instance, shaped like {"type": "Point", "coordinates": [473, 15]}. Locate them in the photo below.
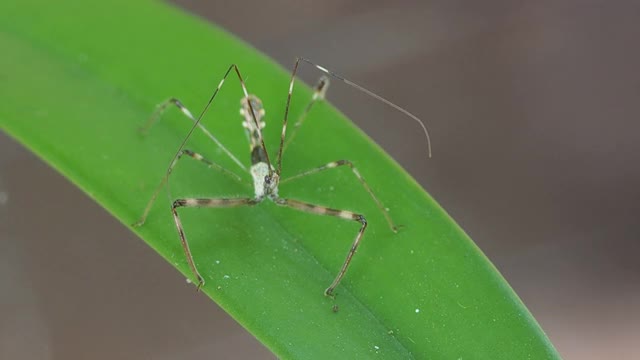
{"type": "Point", "coordinates": [266, 176]}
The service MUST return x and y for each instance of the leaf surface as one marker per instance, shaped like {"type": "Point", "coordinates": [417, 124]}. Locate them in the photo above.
{"type": "Point", "coordinates": [77, 79]}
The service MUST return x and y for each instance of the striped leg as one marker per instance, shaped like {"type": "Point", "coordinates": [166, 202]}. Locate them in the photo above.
{"type": "Point", "coordinates": [165, 179]}
{"type": "Point", "coordinates": [320, 90]}
{"type": "Point", "coordinates": [355, 171]}
{"type": "Point", "coordinates": [344, 214]}
{"type": "Point", "coordinates": [210, 203]}
{"type": "Point", "coordinates": [160, 109]}
{"type": "Point", "coordinates": [283, 134]}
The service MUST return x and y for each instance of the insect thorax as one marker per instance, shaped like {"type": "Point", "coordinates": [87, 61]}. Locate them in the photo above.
{"type": "Point", "coordinates": [261, 186]}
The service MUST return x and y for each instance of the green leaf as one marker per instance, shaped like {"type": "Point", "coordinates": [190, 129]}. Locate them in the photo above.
{"type": "Point", "coordinates": [78, 78]}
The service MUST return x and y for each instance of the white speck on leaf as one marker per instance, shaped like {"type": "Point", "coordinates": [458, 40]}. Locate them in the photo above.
{"type": "Point", "coordinates": [417, 311]}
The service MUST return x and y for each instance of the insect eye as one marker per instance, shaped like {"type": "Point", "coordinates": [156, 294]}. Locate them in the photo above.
{"type": "Point", "coordinates": [267, 179]}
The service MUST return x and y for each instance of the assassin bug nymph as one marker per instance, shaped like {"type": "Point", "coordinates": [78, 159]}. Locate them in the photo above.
{"type": "Point", "coordinates": [266, 177]}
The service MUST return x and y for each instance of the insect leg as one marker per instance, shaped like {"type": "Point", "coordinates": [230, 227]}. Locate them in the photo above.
{"type": "Point", "coordinates": [319, 94]}
{"type": "Point", "coordinates": [160, 109]}
{"type": "Point", "coordinates": [210, 203]}
{"type": "Point", "coordinates": [355, 172]}
{"type": "Point", "coordinates": [210, 164]}
{"type": "Point", "coordinates": [286, 116]}
{"type": "Point", "coordinates": [343, 214]}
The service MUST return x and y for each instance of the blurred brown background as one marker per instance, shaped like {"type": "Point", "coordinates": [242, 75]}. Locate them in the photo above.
{"type": "Point", "coordinates": [533, 110]}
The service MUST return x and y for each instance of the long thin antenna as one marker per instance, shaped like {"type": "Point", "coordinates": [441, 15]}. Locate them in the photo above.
{"type": "Point", "coordinates": [373, 95]}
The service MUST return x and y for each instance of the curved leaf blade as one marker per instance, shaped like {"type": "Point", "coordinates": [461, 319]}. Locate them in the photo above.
{"type": "Point", "coordinates": [76, 90]}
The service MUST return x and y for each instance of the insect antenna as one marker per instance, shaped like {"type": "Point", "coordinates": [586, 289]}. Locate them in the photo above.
{"type": "Point", "coordinates": [373, 95]}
